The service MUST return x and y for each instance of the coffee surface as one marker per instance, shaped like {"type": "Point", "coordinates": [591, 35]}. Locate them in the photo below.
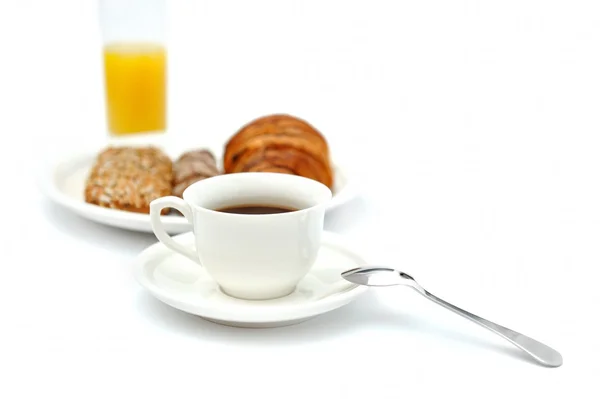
{"type": "Point", "coordinates": [256, 209]}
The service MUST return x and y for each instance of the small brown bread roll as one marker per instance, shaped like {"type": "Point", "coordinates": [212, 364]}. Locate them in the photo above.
{"type": "Point", "coordinates": [129, 178]}
{"type": "Point", "coordinates": [193, 166]}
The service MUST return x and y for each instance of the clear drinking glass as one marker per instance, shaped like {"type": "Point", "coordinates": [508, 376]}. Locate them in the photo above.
{"type": "Point", "coordinates": [135, 65]}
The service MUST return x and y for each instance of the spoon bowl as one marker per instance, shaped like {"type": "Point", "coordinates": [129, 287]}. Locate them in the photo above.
{"type": "Point", "coordinates": [377, 277]}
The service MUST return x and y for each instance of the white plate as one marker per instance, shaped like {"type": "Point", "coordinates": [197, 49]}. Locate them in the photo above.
{"type": "Point", "coordinates": [184, 285]}
{"type": "Point", "coordinates": [63, 180]}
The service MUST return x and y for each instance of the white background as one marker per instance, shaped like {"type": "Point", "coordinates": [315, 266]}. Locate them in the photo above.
{"type": "Point", "coordinates": [473, 129]}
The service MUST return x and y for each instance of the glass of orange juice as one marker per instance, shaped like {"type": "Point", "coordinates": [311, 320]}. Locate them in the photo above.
{"type": "Point", "coordinates": [135, 65]}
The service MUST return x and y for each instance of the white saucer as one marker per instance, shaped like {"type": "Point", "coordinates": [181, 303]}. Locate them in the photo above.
{"type": "Point", "coordinates": [182, 284]}
{"type": "Point", "coordinates": [62, 179]}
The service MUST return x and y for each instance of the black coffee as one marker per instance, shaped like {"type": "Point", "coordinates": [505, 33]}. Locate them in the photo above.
{"type": "Point", "coordinates": [255, 209]}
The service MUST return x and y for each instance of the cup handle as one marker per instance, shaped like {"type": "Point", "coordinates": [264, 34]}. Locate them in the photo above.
{"type": "Point", "coordinates": [156, 207]}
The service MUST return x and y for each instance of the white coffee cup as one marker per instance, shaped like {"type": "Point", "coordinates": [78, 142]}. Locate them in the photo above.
{"type": "Point", "coordinates": [250, 256]}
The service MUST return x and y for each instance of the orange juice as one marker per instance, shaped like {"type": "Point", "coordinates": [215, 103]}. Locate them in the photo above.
{"type": "Point", "coordinates": [135, 79]}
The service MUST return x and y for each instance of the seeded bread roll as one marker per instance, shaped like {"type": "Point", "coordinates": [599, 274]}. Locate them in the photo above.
{"type": "Point", "coordinates": [193, 166]}
{"type": "Point", "coordinates": [129, 178]}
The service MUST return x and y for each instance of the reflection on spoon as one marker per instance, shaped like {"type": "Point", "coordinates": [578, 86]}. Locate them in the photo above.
{"type": "Point", "coordinates": [383, 276]}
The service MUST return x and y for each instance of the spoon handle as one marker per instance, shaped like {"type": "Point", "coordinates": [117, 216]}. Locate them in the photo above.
{"type": "Point", "coordinates": [540, 352]}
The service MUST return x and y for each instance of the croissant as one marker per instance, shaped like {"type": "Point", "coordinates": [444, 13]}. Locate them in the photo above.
{"type": "Point", "coordinates": [282, 144]}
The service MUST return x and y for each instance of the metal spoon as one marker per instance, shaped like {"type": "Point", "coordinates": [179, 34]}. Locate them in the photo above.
{"type": "Point", "coordinates": [382, 276]}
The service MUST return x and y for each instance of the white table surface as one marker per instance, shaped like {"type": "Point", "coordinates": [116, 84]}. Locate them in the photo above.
{"type": "Point", "coordinates": [472, 126]}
